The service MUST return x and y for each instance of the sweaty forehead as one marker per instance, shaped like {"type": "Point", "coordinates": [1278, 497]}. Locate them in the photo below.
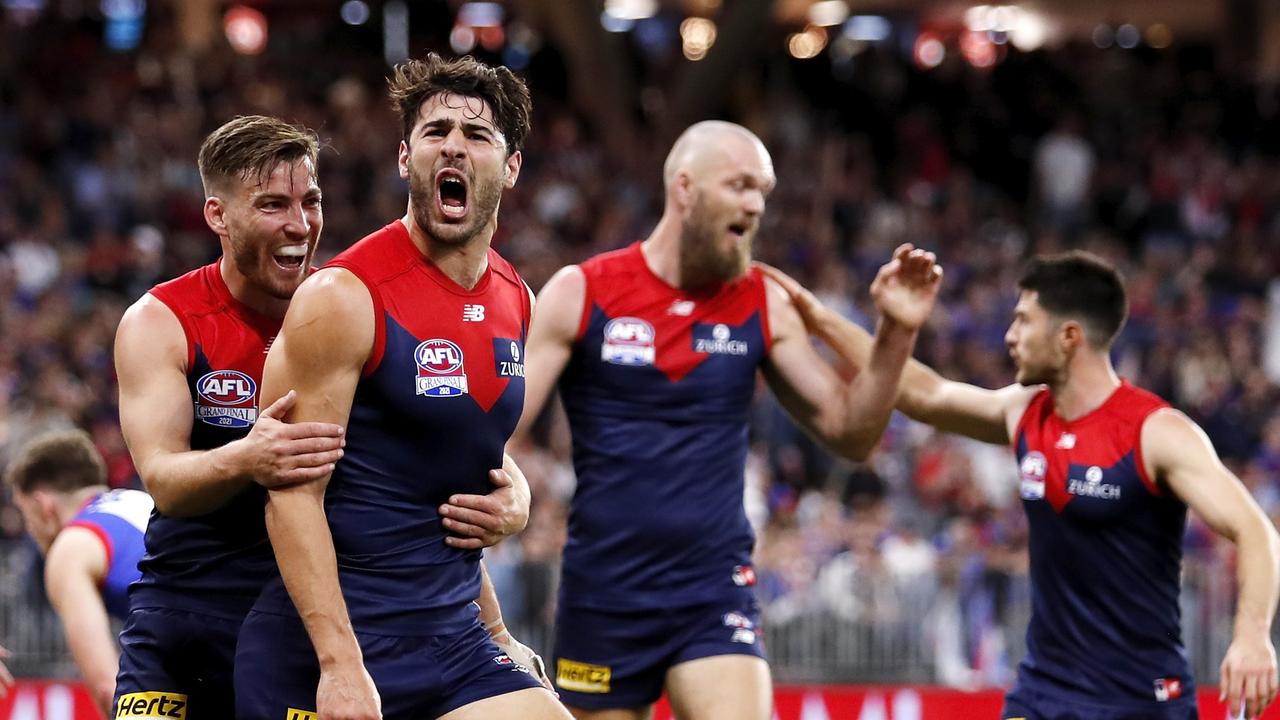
{"type": "Point", "coordinates": [455, 107]}
{"type": "Point", "coordinates": [287, 178]}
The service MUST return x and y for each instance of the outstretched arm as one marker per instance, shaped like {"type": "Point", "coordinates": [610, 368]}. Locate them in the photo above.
{"type": "Point", "coordinates": [849, 417]}
{"type": "Point", "coordinates": [73, 572]}
{"type": "Point", "coordinates": [924, 395]}
{"type": "Point", "coordinates": [156, 417]}
{"type": "Point", "coordinates": [326, 339]}
{"type": "Point", "coordinates": [550, 343]}
{"type": "Point", "coordinates": [1178, 453]}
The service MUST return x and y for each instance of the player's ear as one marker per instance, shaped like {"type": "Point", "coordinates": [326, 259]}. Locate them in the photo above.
{"type": "Point", "coordinates": [403, 159]}
{"type": "Point", "coordinates": [215, 215]}
{"type": "Point", "coordinates": [682, 186]}
{"type": "Point", "coordinates": [1072, 334]}
{"type": "Point", "coordinates": [513, 169]}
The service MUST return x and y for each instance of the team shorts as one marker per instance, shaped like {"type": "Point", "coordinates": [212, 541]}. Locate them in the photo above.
{"type": "Point", "coordinates": [417, 677]}
{"type": "Point", "coordinates": [175, 664]}
{"type": "Point", "coordinates": [619, 658]}
{"type": "Point", "coordinates": [1021, 703]}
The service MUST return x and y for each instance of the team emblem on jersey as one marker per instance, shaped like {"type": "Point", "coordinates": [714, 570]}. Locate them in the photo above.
{"type": "Point", "coordinates": [227, 398]}
{"type": "Point", "coordinates": [1168, 689]}
{"type": "Point", "coordinates": [508, 360]}
{"type": "Point", "coordinates": [1032, 470]}
{"type": "Point", "coordinates": [717, 339]}
{"type": "Point", "coordinates": [628, 341]}
{"type": "Point", "coordinates": [440, 372]}
{"type": "Point", "coordinates": [744, 575]}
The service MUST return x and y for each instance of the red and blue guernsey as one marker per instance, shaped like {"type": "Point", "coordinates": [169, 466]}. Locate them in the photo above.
{"type": "Point", "coordinates": [1106, 556]}
{"type": "Point", "coordinates": [214, 563]}
{"type": "Point", "coordinates": [438, 398]}
{"type": "Point", "coordinates": [658, 392]}
{"type": "Point", "coordinates": [119, 519]}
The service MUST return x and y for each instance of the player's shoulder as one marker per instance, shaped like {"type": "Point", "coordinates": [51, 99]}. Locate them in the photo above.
{"type": "Point", "coordinates": [1134, 400]}
{"type": "Point", "coordinates": [626, 259]}
{"type": "Point", "coordinates": [380, 254]}
{"type": "Point", "coordinates": [505, 270]}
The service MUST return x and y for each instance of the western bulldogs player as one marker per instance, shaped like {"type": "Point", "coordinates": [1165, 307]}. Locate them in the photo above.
{"type": "Point", "coordinates": [1108, 471]}
{"type": "Point", "coordinates": [414, 339]}
{"type": "Point", "coordinates": [656, 347]}
{"type": "Point", "coordinates": [91, 538]}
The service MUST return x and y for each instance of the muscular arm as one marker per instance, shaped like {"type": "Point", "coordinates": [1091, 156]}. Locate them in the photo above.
{"type": "Point", "coordinates": [1177, 452]}
{"type": "Point", "coordinates": [326, 338]}
{"type": "Point", "coordinates": [923, 394]}
{"type": "Point", "coordinates": [73, 572]}
{"type": "Point", "coordinates": [550, 342]}
{"type": "Point", "coordinates": [156, 417]}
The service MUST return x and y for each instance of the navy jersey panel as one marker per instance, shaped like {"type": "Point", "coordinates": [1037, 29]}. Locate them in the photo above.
{"type": "Point", "coordinates": [658, 392]}
{"type": "Point", "coordinates": [119, 519]}
{"type": "Point", "coordinates": [1106, 559]}
{"type": "Point", "coordinates": [216, 562]}
{"type": "Point", "coordinates": [431, 415]}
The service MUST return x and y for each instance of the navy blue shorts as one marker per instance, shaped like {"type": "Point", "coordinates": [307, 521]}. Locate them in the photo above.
{"type": "Point", "coordinates": [417, 677]}
{"type": "Point", "coordinates": [1021, 703]}
{"type": "Point", "coordinates": [619, 658]}
{"type": "Point", "coordinates": [176, 664]}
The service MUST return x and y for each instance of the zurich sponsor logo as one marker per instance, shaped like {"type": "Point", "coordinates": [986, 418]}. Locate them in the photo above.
{"type": "Point", "coordinates": [227, 399]}
{"type": "Point", "coordinates": [718, 340]}
{"type": "Point", "coordinates": [628, 341]}
{"type": "Point", "coordinates": [1032, 472]}
{"type": "Point", "coordinates": [440, 372]}
{"type": "Point", "coordinates": [1092, 485]}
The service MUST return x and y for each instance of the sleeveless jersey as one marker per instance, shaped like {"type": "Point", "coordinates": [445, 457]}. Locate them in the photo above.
{"type": "Point", "coordinates": [119, 519]}
{"type": "Point", "coordinates": [438, 398]}
{"type": "Point", "coordinates": [1106, 556]}
{"type": "Point", "coordinates": [658, 391]}
{"type": "Point", "coordinates": [215, 563]}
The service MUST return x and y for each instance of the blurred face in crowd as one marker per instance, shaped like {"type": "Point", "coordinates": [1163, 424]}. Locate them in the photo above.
{"type": "Point", "coordinates": [728, 182]}
{"type": "Point", "coordinates": [457, 166]}
{"type": "Point", "coordinates": [39, 512]}
{"type": "Point", "coordinates": [270, 229]}
{"type": "Point", "coordinates": [1037, 342]}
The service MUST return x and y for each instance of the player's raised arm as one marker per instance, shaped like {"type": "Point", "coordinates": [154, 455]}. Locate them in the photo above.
{"type": "Point", "coordinates": [1178, 453]}
{"type": "Point", "coordinates": [156, 417]}
{"type": "Point", "coordinates": [73, 571]}
{"type": "Point", "coordinates": [327, 336]}
{"type": "Point", "coordinates": [550, 343]}
{"type": "Point", "coordinates": [850, 417]}
{"type": "Point", "coordinates": [924, 395]}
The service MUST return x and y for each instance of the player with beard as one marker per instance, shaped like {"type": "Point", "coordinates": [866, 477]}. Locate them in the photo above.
{"type": "Point", "coordinates": [1107, 473]}
{"type": "Point", "coordinates": [656, 348]}
{"type": "Point", "coordinates": [413, 339]}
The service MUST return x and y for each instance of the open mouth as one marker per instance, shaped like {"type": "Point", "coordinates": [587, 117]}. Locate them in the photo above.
{"type": "Point", "coordinates": [451, 194]}
{"type": "Point", "coordinates": [739, 229]}
{"type": "Point", "coordinates": [290, 257]}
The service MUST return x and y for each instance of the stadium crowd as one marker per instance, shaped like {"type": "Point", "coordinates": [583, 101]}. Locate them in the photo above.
{"type": "Point", "coordinates": [1157, 160]}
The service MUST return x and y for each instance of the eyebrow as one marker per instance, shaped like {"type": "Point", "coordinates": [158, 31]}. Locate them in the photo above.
{"type": "Point", "coordinates": [258, 197]}
{"type": "Point", "coordinates": [449, 124]}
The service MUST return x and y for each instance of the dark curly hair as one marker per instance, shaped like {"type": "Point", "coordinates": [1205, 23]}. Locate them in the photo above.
{"type": "Point", "coordinates": [416, 81]}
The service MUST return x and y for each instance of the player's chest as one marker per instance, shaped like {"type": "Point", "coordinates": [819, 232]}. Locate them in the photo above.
{"type": "Point", "coordinates": [1080, 476]}
{"type": "Point", "coordinates": [226, 376]}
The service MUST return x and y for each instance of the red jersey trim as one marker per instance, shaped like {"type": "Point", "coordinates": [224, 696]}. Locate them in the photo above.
{"type": "Point", "coordinates": [379, 315]}
{"type": "Point", "coordinates": [586, 304]}
{"type": "Point", "coordinates": [1036, 401]}
{"type": "Point", "coordinates": [187, 332]}
{"type": "Point", "coordinates": [763, 284]}
{"type": "Point", "coordinates": [103, 537]}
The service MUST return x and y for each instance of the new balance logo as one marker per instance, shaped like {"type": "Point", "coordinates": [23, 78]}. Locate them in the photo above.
{"type": "Point", "coordinates": [472, 313]}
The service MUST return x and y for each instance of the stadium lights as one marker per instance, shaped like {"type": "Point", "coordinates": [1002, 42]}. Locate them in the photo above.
{"type": "Point", "coordinates": [1159, 36]}
{"type": "Point", "coordinates": [1127, 36]}
{"type": "Point", "coordinates": [631, 9]}
{"type": "Point", "coordinates": [480, 14]}
{"type": "Point", "coordinates": [828, 12]}
{"type": "Point", "coordinates": [807, 44]}
{"type": "Point", "coordinates": [395, 32]}
{"type": "Point", "coordinates": [697, 36]}
{"type": "Point", "coordinates": [246, 30]}
{"type": "Point", "coordinates": [929, 52]}
{"type": "Point", "coordinates": [355, 12]}
{"type": "Point", "coordinates": [867, 28]}
{"type": "Point", "coordinates": [615, 24]}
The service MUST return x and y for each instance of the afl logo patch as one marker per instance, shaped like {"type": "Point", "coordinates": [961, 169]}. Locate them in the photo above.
{"type": "Point", "coordinates": [440, 371]}
{"type": "Point", "coordinates": [1032, 470]}
{"type": "Point", "coordinates": [628, 341]}
{"type": "Point", "coordinates": [227, 398]}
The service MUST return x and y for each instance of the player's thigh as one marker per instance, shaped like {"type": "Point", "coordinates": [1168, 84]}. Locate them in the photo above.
{"type": "Point", "coordinates": [175, 662]}
{"type": "Point", "coordinates": [644, 713]}
{"type": "Point", "coordinates": [721, 686]}
{"type": "Point", "coordinates": [530, 704]}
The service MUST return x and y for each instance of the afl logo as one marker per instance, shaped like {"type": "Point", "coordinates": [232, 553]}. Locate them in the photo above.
{"type": "Point", "coordinates": [440, 372]}
{"type": "Point", "coordinates": [1032, 470]}
{"type": "Point", "coordinates": [628, 341]}
{"type": "Point", "coordinates": [227, 398]}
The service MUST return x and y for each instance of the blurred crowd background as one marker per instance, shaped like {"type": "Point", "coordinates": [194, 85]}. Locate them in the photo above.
{"type": "Point", "coordinates": [1163, 156]}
